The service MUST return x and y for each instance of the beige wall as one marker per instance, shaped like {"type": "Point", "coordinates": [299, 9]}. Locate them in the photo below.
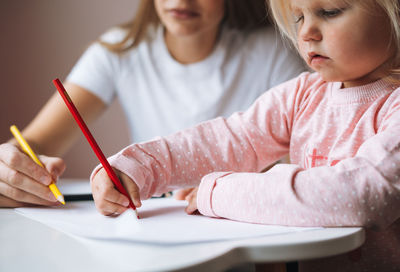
{"type": "Point", "coordinates": [41, 40]}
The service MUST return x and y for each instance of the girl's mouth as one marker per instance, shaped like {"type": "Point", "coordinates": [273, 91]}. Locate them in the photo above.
{"type": "Point", "coordinates": [315, 59]}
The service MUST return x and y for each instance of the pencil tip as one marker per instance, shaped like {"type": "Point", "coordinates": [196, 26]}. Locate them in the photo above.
{"type": "Point", "coordinates": [61, 199]}
{"type": "Point", "coordinates": [137, 214]}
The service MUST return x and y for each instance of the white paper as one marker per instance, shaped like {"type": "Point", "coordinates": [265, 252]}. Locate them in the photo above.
{"type": "Point", "coordinates": [163, 221]}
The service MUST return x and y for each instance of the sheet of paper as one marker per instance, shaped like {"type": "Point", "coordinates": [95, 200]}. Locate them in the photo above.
{"type": "Point", "coordinates": [163, 221]}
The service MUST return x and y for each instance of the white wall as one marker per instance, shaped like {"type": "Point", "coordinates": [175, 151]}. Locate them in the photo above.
{"type": "Point", "coordinates": [41, 40]}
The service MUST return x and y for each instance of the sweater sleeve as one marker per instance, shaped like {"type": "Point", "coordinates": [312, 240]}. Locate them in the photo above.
{"type": "Point", "coordinates": [360, 191]}
{"type": "Point", "coordinates": [234, 144]}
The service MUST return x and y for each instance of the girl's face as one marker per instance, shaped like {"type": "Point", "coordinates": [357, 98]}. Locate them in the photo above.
{"type": "Point", "coordinates": [190, 17]}
{"type": "Point", "coordinates": [343, 42]}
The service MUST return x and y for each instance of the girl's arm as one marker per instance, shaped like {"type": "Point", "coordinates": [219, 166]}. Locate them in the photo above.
{"type": "Point", "coordinates": [359, 191]}
{"type": "Point", "coordinates": [234, 144]}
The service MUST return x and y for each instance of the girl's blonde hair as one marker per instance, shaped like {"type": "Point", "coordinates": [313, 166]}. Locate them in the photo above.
{"type": "Point", "coordinates": [280, 10]}
{"type": "Point", "coordinates": [239, 14]}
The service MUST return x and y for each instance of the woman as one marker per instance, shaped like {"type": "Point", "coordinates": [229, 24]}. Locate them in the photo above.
{"type": "Point", "coordinates": [176, 64]}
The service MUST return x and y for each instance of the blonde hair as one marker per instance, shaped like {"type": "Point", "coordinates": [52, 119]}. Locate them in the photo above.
{"type": "Point", "coordinates": [239, 14]}
{"type": "Point", "coordinates": [280, 11]}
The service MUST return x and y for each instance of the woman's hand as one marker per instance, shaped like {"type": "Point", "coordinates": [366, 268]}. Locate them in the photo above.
{"type": "Point", "coordinates": [23, 182]}
{"type": "Point", "coordinates": [108, 200]}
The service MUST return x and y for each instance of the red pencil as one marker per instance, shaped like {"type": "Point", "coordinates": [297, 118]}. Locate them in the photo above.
{"type": "Point", "coordinates": [92, 142]}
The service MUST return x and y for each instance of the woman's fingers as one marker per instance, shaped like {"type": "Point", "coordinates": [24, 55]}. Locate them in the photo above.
{"type": "Point", "coordinates": [21, 196]}
{"type": "Point", "coordinates": [24, 181]}
{"type": "Point", "coordinates": [55, 166]}
{"type": "Point", "coordinates": [20, 187]}
{"type": "Point", "coordinates": [10, 203]}
{"type": "Point", "coordinates": [15, 159]}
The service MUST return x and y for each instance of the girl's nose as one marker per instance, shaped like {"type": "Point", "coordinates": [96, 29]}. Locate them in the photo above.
{"type": "Point", "coordinates": [310, 31]}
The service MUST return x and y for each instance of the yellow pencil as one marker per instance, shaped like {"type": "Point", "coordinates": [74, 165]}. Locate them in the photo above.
{"type": "Point", "coordinates": [28, 150]}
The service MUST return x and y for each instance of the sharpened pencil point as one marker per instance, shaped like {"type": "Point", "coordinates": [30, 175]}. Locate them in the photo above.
{"type": "Point", "coordinates": [61, 199]}
{"type": "Point", "coordinates": [137, 214]}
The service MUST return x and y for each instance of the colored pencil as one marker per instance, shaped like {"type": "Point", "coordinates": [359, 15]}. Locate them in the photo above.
{"type": "Point", "coordinates": [92, 141]}
{"type": "Point", "coordinates": [28, 150]}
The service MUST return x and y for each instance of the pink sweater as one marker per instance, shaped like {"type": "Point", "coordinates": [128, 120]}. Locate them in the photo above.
{"type": "Point", "coordinates": [344, 145]}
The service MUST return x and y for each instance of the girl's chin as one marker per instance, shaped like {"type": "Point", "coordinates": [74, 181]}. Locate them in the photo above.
{"type": "Point", "coordinates": [330, 78]}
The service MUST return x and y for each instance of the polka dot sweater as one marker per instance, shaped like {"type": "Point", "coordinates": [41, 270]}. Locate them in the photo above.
{"type": "Point", "coordinates": [344, 146]}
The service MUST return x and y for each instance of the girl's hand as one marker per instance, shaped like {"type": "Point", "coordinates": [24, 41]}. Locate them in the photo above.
{"type": "Point", "coordinates": [108, 200]}
{"type": "Point", "coordinates": [181, 194]}
{"type": "Point", "coordinates": [192, 199]}
{"type": "Point", "coordinates": [24, 182]}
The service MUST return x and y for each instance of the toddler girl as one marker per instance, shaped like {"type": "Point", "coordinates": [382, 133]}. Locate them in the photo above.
{"type": "Point", "coordinates": [340, 125]}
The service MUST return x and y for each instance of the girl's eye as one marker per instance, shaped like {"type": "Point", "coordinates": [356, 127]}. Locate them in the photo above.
{"type": "Point", "coordinates": [298, 19]}
{"type": "Point", "coordinates": [330, 13]}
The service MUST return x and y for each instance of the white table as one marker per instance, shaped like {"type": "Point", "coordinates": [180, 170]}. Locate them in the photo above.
{"type": "Point", "coordinates": [26, 245]}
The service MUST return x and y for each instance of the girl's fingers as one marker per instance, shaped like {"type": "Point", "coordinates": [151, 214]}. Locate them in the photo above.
{"type": "Point", "coordinates": [109, 208]}
{"type": "Point", "coordinates": [191, 208]}
{"type": "Point", "coordinates": [182, 193]}
{"type": "Point", "coordinates": [131, 187]}
{"type": "Point", "coordinates": [23, 188]}
{"type": "Point", "coordinates": [192, 199]}
{"type": "Point", "coordinates": [107, 198]}
{"type": "Point", "coordinates": [191, 194]}
{"type": "Point", "coordinates": [114, 196]}
{"type": "Point", "coordinates": [15, 159]}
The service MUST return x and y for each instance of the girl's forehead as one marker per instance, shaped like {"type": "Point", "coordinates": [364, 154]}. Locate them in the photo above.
{"type": "Point", "coordinates": [309, 4]}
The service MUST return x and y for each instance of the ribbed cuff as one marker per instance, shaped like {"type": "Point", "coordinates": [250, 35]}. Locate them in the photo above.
{"type": "Point", "coordinates": [99, 166]}
{"type": "Point", "coordinates": [94, 172]}
{"type": "Point", "coordinates": [128, 166]}
{"type": "Point", "coordinates": [204, 194]}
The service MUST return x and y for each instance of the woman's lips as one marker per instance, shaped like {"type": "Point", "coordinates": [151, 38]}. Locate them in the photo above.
{"type": "Point", "coordinates": [183, 13]}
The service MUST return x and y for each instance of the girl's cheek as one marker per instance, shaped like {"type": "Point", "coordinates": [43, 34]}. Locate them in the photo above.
{"type": "Point", "coordinates": [302, 51]}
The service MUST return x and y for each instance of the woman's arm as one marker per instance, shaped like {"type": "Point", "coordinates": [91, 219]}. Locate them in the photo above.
{"type": "Point", "coordinates": [54, 130]}
{"type": "Point", "coordinates": [51, 132]}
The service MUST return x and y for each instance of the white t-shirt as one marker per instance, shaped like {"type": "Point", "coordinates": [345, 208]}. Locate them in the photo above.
{"type": "Point", "coordinates": [160, 95]}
